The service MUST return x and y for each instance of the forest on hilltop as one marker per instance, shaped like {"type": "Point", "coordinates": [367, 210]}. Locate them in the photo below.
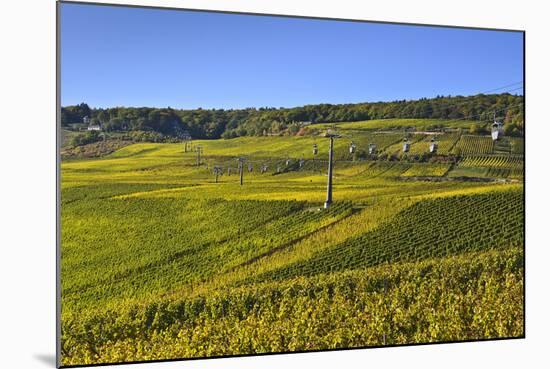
{"type": "Point", "coordinates": [222, 123]}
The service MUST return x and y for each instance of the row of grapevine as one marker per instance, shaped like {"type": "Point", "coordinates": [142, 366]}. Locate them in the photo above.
{"type": "Point", "coordinates": [431, 228]}
{"type": "Point", "coordinates": [508, 162]}
{"type": "Point", "coordinates": [378, 169]}
{"type": "Point", "coordinates": [427, 170]}
{"type": "Point", "coordinates": [394, 304]}
{"type": "Point", "coordinates": [493, 166]}
{"type": "Point", "coordinates": [474, 145]}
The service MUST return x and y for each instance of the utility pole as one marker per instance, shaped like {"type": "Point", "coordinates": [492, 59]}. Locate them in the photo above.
{"type": "Point", "coordinates": [315, 151]}
{"type": "Point", "coordinates": [329, 181]}
{"type": "Point", "coordinates": [331, 136]}
{"type": "Point", "coordinates": [217, 172]}
{"type": "Point", "coordinates": [241, 160]}
{"type": "Point", "coordinates": [199, 148]}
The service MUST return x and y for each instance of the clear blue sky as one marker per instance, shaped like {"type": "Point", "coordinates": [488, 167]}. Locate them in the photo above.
{"type": "Point", "coordinates": [116, 56]}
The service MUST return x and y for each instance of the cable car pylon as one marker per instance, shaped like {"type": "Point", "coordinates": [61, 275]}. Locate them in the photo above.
{"type": "Point", "coordinates": [331, 137]}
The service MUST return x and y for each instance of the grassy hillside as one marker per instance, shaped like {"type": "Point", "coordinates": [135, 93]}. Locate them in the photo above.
{"type": "Point", "coordinates": [393, 124]}
{"type": "Point", "coordinates": [160, 261]}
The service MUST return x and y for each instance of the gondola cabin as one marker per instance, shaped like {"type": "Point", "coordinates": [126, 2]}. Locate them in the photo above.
{"type": "Point", "coordinates": [406, 145]}
{"type": "Point", "coordinates": [433, 146]}
{"type": "Point", "coordinates": [497, 130]}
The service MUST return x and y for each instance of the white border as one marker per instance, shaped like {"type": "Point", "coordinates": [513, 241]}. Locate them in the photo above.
{"type": "Point", "coordinates": [27, 203]}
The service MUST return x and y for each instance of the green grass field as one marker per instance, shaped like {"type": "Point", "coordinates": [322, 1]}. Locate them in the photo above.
{"type": "Point", "coordinates": [159, 261]}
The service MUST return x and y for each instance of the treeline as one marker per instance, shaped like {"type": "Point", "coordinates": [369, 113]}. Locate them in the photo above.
{"type": "Point", "coordinates": [216, 123]}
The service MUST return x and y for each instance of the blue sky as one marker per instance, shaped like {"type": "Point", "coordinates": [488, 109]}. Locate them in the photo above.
{"type": "Point", "coordinates": [117, 56]}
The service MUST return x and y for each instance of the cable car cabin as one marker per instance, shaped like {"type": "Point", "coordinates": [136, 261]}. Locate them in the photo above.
{"type": "Point", "coordinates": [497, 130]}
{"type": "Point", "coordinates": [433, 145]}
{"type": "Point", "coordinates": [352, 148]}
{"type": "Point", "coordinates": [315, 149]}
{"type": "Point", "coordinates": [372, 149]}
{"type": "Point", "coordinates": [406, 145]}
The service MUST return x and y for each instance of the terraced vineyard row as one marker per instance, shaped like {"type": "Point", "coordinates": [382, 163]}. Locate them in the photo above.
{"type": "Point", "coordinates": [503, 173]}
{"type": "Point", "coordinates": [508, 166]}
{"type": "Point", "coordinates": [474, 145]}
{"type": "Point", "coordinates": [384, 169]}
{"type": "Point", "coordinates": [431, 228]}
{"type": "Point", "coordinates": [509, 162]}
{"type": "Point", "coordinates": [403, 169]}
{"type": "Point", "coordinates": [427, 170]}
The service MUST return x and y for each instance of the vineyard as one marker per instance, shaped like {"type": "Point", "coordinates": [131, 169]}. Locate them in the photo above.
{"type": "Point", "coordinates": [511, 162]}
{"type": "Point", "coordinates": [445, 143]}
{"type": "Point", "coordinates": [509, 166]}
{"type": "Point", "coordinates": [161, 258]}
{"type": "Point", "coordinates": [418, 233]}
{"type": "Point", "coordinates": [427, 170]}
{"type": "Point", "coordinates": [400, 124]}
{"type": "Point", "coordinates": [475, 145]}
{"type": "Point", "coordinates": [387, 305]}
{"type": "Point", "coordinates": [275, 223]}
